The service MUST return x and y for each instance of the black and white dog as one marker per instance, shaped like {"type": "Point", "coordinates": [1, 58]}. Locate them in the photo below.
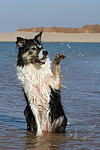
{"type": "Point", "coordinates": [41, 86]}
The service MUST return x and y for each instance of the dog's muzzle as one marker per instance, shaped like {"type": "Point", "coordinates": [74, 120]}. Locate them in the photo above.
{"type": "Point", "coordinates": [42, 56]}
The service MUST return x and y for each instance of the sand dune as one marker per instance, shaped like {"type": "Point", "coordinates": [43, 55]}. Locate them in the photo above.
{"type": "Point", "coordinates": [53, 37]}
{"type": "Point", "coordinates": [84, 29]}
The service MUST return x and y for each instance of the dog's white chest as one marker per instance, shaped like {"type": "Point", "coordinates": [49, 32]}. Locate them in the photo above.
{"type": "Point", "coordinates": [35, 83]}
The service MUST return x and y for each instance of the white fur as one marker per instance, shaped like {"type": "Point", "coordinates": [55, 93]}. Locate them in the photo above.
{"type": "Point", "coordinates": [36, 80]}
{"type": "Point", "coordinates": [41, 54]}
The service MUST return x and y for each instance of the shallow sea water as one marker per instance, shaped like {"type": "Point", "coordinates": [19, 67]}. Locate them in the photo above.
{"type": "Point", "coordinates": [80, 99]}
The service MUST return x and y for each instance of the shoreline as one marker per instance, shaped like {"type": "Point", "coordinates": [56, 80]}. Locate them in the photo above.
{"type": "Point", "coordinates": [53, 37]}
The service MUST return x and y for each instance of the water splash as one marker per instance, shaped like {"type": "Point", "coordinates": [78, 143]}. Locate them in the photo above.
{"type": "Point", "coordinates": [69, 46]}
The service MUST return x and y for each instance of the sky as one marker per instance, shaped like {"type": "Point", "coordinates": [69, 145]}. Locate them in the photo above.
{"type": "Point", "coordinates": [16, 14]}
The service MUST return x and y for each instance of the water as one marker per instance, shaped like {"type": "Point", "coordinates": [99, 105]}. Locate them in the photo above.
{"type": "Point", "coordinates": [80, 99]}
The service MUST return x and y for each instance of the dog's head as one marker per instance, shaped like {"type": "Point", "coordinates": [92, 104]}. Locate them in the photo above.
{"type": "Point", "coordinates": [31, 51]}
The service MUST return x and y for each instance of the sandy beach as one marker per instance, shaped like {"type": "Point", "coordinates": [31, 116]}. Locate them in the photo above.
{"type": "Point", "coordinates": [52, 37]}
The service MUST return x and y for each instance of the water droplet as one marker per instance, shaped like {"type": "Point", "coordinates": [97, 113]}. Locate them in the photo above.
{"type": "Point", "coordinates": [92, 133]}
{"type": "Point", "coordinates": [75, 134]}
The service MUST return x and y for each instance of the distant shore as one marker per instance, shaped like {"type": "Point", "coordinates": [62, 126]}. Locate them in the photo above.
{"type": "Point", "coordinates": [52, 36]}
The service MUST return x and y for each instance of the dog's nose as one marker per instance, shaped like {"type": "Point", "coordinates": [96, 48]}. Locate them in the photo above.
{"type": "Point", "coordinates": [45, 53]}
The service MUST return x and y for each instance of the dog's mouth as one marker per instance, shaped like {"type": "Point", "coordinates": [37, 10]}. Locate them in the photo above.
{"type": "Point", "coordinates": [43, 60]}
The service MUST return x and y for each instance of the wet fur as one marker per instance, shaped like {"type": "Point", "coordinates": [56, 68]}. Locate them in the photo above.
{"type": "Point", "coordinates": [41, 87]}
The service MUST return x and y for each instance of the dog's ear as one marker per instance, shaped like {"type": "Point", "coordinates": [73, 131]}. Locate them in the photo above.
{"type": "Point", "coordinates": [38, 36]}
{"type": "Point", "coordinates": [20, 42]}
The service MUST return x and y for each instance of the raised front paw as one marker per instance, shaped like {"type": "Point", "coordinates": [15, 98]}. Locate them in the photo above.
{"type": "Point", "coordinates": [59, 57]}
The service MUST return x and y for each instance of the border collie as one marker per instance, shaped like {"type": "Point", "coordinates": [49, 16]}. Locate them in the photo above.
{"type": "Point", "coordinates": [41, 86]}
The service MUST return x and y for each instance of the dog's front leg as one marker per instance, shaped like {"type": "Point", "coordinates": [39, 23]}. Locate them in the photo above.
{"type": "Point", "coordinates": [56, 67]}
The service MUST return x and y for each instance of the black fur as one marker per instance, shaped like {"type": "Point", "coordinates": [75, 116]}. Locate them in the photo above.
{"type": "Point", "coordinates": [30, 45]}
{"type": "Point", "coordinates": [56, 110]}
{"type": "Point", "coordinates": [31, 123]}
{"type": "Point", "coordinates": [26, 47]}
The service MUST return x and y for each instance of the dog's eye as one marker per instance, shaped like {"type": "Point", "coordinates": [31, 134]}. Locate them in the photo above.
{"type": "Point", "coordinates": [30, 52]}
{"type": "Point", "coordinates": [33, 48]}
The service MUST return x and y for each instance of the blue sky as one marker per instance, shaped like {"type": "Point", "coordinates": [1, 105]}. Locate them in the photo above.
{"type": "Point", "coordinates": [16, 14]}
